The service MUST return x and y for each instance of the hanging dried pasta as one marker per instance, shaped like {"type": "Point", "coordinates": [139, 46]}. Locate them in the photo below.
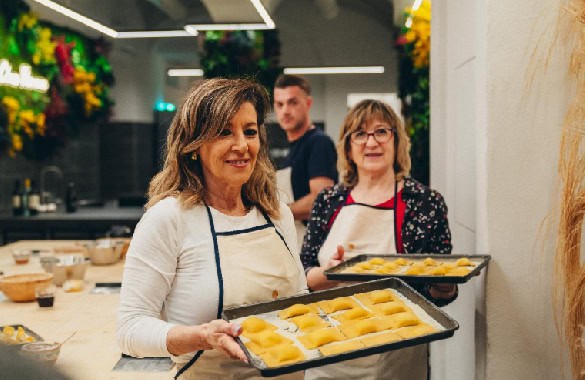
{"type": "Point", "coordinates": [569, 282]}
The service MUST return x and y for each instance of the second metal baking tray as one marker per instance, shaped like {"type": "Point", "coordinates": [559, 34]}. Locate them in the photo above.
{"type": "Point", "coordinates": [448, 323]}
{"type": "Point", "coordinates": [336, 273]}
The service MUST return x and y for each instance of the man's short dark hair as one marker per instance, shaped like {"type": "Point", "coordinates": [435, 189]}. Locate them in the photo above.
{"type": "Point", "coordinates": [289, 80]}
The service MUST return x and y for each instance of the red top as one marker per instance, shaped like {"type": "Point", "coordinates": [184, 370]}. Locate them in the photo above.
{"type": "Point", "coordinates": [389, 204]}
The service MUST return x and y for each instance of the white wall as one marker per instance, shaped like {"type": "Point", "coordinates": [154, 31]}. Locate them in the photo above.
{"type": "Point", "coordinates": [494, 154]}
{"type": "Point", "coordinates": [455, 124]}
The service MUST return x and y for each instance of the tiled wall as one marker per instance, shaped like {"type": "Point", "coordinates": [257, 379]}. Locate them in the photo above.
{"type": "Point", "coordinates": [127, 159]}
{"type": "Point", "coordinates": [79, 162]}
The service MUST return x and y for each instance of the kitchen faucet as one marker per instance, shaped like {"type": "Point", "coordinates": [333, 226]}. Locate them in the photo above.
{"type": "Point", "coordinates": [46, 196]}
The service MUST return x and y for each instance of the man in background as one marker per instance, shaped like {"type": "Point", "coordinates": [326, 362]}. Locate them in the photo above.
{"type": "Point", "coordinates": [312, 160]}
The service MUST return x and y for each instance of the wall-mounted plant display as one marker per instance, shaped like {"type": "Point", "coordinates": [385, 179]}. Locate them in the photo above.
{"type": "Point", "coordinates": [414, 43]}
{"type": "Point", "coordinates": [53, 81]}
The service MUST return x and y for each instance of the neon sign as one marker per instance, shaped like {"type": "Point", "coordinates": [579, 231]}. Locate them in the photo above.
{"type": "Point", "coordinates": [22, 79]}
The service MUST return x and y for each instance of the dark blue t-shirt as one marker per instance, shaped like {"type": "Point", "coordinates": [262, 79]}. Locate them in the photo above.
{"type": "Point", "coordinates": [313, 155]}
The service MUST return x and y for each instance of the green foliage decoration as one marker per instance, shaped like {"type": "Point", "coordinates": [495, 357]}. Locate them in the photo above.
{"type": "Point", "coordinates": [37, 124]}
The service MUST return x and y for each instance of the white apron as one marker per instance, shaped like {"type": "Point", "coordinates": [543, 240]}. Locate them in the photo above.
{"type": "Point", "coordinates": [253, 265]}
{"type": "Point", "coordinates": [286, 196]}
{"type": "Point", "coordinates": [361, 228]}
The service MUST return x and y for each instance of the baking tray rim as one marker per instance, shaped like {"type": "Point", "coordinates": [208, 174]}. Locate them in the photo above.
{"type": "Point", "coordinates": [333, 273]}
{"type": "Point", "coordinates": [330, 359]}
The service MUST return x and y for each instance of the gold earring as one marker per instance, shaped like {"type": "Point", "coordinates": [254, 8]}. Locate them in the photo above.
{"type": "Point", "coordinates": [194, 156]}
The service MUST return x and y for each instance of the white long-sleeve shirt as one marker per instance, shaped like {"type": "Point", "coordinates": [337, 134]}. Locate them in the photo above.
{"type": "Point", "coordinates": [170, 275]}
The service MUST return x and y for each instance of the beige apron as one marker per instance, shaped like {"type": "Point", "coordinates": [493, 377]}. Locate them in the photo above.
{"type": "Point", "coordinates": [360, 228]}
{"type": "Point", "coordinates": [286, 195]}
{"type": "Point", "coordinates": [255, 265]}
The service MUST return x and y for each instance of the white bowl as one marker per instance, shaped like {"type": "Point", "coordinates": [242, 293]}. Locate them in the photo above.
{"type": "Point", "coordinates": [44, 351]}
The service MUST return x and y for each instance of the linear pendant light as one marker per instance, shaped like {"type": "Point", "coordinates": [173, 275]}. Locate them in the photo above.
{"type": "Point", "coordinates": [188, 31]}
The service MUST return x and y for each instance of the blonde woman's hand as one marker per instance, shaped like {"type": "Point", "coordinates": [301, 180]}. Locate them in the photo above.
{"type": "Point", "coordinates": [218, 335]}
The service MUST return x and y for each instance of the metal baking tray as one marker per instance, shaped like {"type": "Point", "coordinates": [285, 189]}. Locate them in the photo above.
{"type": "Point", "coordinates": [335, 273]}
{"type": "Point", "coordinates": [448, 323]}
{"type": "Point", "coordinates": [28, 332]}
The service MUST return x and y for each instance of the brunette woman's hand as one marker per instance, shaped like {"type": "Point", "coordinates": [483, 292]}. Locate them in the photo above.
{"type": "Point", "coordinates": [338, 258]}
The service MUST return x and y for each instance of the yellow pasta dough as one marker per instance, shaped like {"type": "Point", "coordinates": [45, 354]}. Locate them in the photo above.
{"type": "Point", "coordinates": [380, 296]}
{"type": "Point", "coordinates": [358, 328]}
{"type": "Point", "coordinates": [391, 265]}
{"type": "Point", "coordinates": [321, 337]}
{"type": "Point", "coordinates": [464, 262]}
{"type": "Point", "coordinates": [384, 270]}
{"type": "Point", "coordinates": [390, 308]}
{"type": "Point", "coordinates": [337, 304]}
{"type": "Point", "coordinates": [354, 314]}
{"type": "Point", "coordinates": [384, 338]}
{"type": "Point", "coordinates": [309, 322]}
{"type": "Point", "coordinates": [377, 261]}
{"type": "Point", "coordinates": [265, 339]}
{"type": "Point", "coordinates": [415, 271]}
{"type": "Point", "coordinates": [438, 271]}
{"type": "Point", "coordinates": [449, 266]}
{"type": "Point", "coordinates": [404, 319]}
{"type": "Point", "coordinates": [415, 331]}
{"type": "Point", "coordinates": [461, 271]}
{"type": "Point", "coordinates": [401, 261]}
{"type": "Point", "coordinates": [429, 262]}
{"type": "Point", "coordinates": [294, 310]}
{"type": "Point", "coordinates": [364, 265]}
{"type": "Point", "coordinates": [338, 348]}
{"type": "Point", "coordinates": [253, 325]}
{"type": "Point", "coordinates": [282, 355]}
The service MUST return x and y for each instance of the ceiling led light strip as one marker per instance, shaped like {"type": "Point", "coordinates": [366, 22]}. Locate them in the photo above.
{"type": "Point", "coordinates": [77, 17]}
{"type": "Point", "coordinates": [268, 22]}
{"type": "Point", "coordinates": [185, 73]}
{"type": "Point", "coordinates": [263, 13]}
{"type": "Point", "coordinates": [335, 70]}
{"type": "Point", "coordinates": [153, 34]}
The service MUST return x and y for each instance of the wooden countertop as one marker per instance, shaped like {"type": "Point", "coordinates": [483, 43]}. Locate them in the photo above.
{"type": "Point", "coordinates": [92, 352]}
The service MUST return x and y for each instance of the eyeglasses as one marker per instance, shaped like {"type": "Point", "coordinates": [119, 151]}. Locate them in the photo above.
{"type": "Point", "coordinates": [381, 135]}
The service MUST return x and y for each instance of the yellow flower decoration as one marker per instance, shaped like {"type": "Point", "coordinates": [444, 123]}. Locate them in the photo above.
{"type": "Point", "coordinates": [16, 143]}
{"type": "Point", "coordinates": [45, 52]}
{"type": "Point", "coordinates": [12, 106]}
{"type": "Point", "coordinates": [420, 34]}
{"type": "Point", "coordinates": [84, 85]}
{"type": "Point", "coordinates": [27, 20]}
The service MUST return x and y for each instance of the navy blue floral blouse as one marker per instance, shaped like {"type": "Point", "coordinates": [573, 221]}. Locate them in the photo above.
{"type": "Point", "coordinates": [425, 228]}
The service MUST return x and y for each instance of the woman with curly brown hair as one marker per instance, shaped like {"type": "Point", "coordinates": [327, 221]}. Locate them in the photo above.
{"type": "Point", "coordinates": [214, 235]}
{"type": "Point", "coordinates": [376, 209]}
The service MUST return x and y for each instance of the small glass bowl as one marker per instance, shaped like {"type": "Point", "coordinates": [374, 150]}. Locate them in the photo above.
{"type": "Point", "coordinates": [21, 256]}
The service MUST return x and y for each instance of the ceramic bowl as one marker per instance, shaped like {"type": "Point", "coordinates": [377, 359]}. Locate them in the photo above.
{"type": "Point", "coordinates": [21, 287]}
{"type": "Point", "coordinates": [106, 252]}
{"type": "Point", "coordinates": [45, 351]}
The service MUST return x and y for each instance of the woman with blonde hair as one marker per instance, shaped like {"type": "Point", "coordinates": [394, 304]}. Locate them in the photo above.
{"type": "Point", "coordinates": [214, 236]}
{"type": "Point", "coordinates": [376, 209]}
